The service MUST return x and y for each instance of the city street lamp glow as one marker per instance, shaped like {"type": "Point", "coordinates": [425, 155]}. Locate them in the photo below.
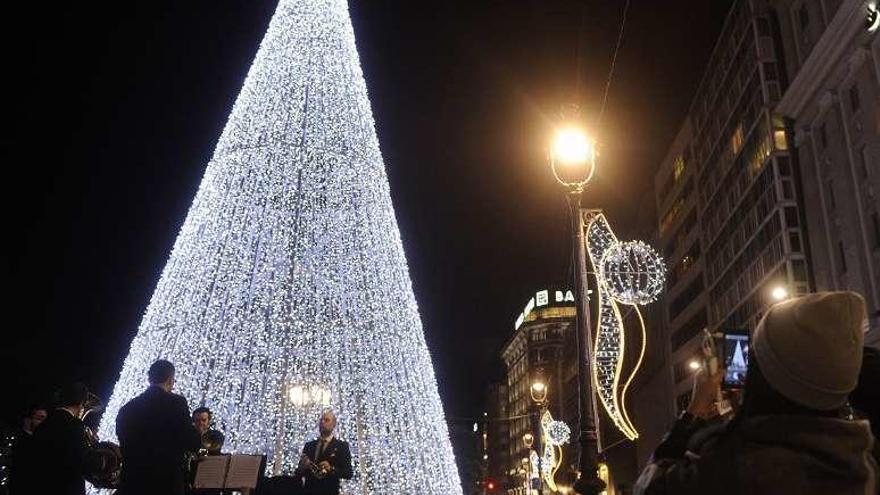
{"type": "Point", "coordinates": [573, 157]}
{"type": "Point", "coordinates": [779, 293]}
{"type": "Point", "coordinates": [539, 391]}
{"type": "Point", "coordinates": [694, 365]}
{"type": "Point", "coordinates": [528, 440]}
{"type": "Point", "coordinates": [572, 146]}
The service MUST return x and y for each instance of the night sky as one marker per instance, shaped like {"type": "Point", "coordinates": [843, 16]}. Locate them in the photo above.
{"type": "Point", "coordinates": [112, 110]}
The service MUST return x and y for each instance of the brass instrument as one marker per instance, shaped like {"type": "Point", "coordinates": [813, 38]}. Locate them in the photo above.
{"type": "Point", "coordinates": [317, 472]}
{"type": "Point", "coordinates": [104, 459]}
{"type": "Point", "coordinates": [212, 442]}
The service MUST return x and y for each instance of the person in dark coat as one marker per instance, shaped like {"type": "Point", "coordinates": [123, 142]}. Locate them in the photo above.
{"type": "Point", "coordinates": [328, 456]}
{"type": "Point", "coordinates": [155, 433]}
{"type": "Point", "coordinates": [55, 461]}
{"type": "Point", "coordinates": [19, 443]}
{"type": "Point", "coordinates": [788, 437]}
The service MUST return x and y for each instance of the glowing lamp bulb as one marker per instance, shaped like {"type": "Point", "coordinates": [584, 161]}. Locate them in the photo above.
{"type": "Point", "coordinates": [572, 146]}
{"type": "Point", "coordinates": [779, 293]}
{"type": "Point", "coordinates": [694, 365]}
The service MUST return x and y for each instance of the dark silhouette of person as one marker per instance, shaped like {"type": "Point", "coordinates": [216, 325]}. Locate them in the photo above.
{"type": "Point", "coordinates": [19, 442]}
{"type": "Point", "coordinates": [325, 460]}
{"type": "Point", "coordinates": [155, 433]}
{"type": "Point", "coordinates": [55, 461]}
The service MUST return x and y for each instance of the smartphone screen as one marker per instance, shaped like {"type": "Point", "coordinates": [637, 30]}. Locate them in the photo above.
{"type": "Point", "coordinates": [736, 359]}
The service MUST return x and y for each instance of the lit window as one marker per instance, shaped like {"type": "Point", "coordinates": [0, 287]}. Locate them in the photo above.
{"type": "Point", "coordinates": [678, 167]}
{"type": "Point", "coordinates": [736, 143]}
{"type": "Point", "coordinates": [780, 140]}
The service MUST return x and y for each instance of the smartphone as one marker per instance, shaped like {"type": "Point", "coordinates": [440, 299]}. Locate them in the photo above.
{"type": "Point", "coordinates": [735, 352]}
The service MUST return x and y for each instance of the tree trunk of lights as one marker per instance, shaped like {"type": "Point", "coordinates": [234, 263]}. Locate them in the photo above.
{"type": "Point", "coordinates": [588, 483]}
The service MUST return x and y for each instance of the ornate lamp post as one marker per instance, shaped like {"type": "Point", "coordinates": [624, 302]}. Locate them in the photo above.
{"type": "Point", "coordinates": [538, 391]}
{"type": "Point", "coordinates": [303, 397]}
{"type": "Point", "coordinates": [573, 160]}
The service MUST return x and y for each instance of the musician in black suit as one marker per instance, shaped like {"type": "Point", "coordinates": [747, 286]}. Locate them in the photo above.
{"type": "Point", "coordinates": [56, 460]}
{"type": "Point", "coordinates": [325, 461]}
{"type": "Point", "coordinates": [155, 433]}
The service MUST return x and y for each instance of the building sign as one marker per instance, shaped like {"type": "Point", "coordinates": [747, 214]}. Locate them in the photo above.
{"type": "Point", "coordinates": [543, 298]}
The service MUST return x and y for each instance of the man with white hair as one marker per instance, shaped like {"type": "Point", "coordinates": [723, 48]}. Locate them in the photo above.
{"type": "Point", "coordinates": [325, 460]}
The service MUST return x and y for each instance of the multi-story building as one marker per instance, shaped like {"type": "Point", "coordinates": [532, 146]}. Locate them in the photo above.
{"type": "Point", "coordinates": [537, 351]}
{"type": "Point", "coordinates": [729, 206]}
{"type": "Point", "coordinates": [832, 55]}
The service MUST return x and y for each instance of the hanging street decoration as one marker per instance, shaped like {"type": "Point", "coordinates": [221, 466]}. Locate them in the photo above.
{"type": "Point", "coordinates": [554, 434]}
{"type": "Point", "coordinates": [627, 273]}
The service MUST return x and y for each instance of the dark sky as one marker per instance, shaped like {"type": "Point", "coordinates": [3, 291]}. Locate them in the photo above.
{"type": "Point", "coordinates": [111, 111]}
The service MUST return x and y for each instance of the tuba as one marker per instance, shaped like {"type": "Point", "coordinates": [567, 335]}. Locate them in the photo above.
{"type": "Point", "coordinates": [104, 459]}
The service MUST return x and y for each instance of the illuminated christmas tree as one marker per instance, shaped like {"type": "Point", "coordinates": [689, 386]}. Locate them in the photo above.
{"type": "Point", "coordinates": [288, 276]}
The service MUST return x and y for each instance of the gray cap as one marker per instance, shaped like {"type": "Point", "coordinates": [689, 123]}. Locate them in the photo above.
{"type": "Point", "coordinates": [810, 348]}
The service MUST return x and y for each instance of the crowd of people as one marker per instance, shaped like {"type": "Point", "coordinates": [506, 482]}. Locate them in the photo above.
{"type": "Point", "coordinates": [161, 444]}
{"type": "Point", "coordinates": [804, 423]}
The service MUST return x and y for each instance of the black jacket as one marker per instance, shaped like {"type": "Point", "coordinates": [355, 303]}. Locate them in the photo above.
{"type": "Point", "coordinates": [155, 432]}
{"type": "Point", "coordinates": [56, 457]}
{"type": "Point", "coordinates": [338, 455]}
{"type": "Point", "coordinates": [773, 454]}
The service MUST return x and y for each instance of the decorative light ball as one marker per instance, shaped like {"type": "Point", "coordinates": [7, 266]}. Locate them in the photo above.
{"type": "Point", "coordinates": [632, 272]}
{"type": "Point", "coordinates": [558, 433]}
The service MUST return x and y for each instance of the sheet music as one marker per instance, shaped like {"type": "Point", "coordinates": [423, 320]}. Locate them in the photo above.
{"type": "Point", "coordinates": [243, 471]}
{"type": "Point", "coordinates": [211, 472]}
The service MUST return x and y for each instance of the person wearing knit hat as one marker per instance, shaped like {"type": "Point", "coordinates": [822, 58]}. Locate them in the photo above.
{"type": "Point", "coordinates": [788, 436]}
{"type": "Point", "coordinates": [810, 348]}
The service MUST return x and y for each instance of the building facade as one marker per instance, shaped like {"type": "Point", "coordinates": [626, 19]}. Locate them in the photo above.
{"type": "Point", "coordinates": [538, 350]}
{"type": "Point", "coordinates": [731, 220]}
{"type": "Point", "coordinates": [832, 53]}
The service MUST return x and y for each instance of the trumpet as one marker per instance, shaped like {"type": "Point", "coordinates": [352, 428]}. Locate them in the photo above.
{"type": "Point", "coordinates": [317, 471]}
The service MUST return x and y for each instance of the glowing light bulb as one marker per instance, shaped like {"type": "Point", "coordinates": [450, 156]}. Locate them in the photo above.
{"type": "Point", "coordinates": [779, 293]}
{"type": "Point", "coordinates": [572, 146]}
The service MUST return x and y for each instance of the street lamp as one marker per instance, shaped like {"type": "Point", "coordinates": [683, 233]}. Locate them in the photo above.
{"type": "Point", "coordinates": [539, 392]}
{"type": "Point", "coordinates": [573, 160]}
{"type": "Point", "coordinates": [528, 440]}
{"type": "Point", "coordinates": [302, 398]}
{"type": "Point", "coordinates": [779, 293]}
{"type": "Point", "coordinates": [694, 365]}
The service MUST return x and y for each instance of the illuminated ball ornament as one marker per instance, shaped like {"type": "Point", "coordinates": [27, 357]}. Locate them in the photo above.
{"type": "Point", "coordinates": [633, 272]}
{"type": "Point", "coordinates": [558, 433]}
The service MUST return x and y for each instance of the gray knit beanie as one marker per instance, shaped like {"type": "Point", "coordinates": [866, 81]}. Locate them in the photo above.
{"type": "Point", "coordinates": [810, 348]}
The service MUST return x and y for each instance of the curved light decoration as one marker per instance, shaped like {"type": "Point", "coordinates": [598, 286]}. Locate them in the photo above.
{"type": "Point", "coordinates": [554, 434]}
{"type": "Point", "coordinates": [612, 262]}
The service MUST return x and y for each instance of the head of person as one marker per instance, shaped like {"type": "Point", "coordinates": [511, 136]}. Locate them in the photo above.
{"type": "Point", "coordinates": [201, 418]}
{"type": "Point", "coordinates": [161, 374]}
{"type": "Point", "coordinates": [73, 397]}
{"type": "Point", "coordinates": [805, 356]}
{"type": "Point", "coordinates": [327, 423]}
{"type": "Point", "coordinates": [35, 415]}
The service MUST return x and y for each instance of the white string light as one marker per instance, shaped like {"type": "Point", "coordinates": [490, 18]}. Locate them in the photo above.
{"type": "Point", "coordinates": [629, 273]}
{"type": "Point", "coordinates": [632, 272]}
{"type": "Point", "coordinates": [287, 289]}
